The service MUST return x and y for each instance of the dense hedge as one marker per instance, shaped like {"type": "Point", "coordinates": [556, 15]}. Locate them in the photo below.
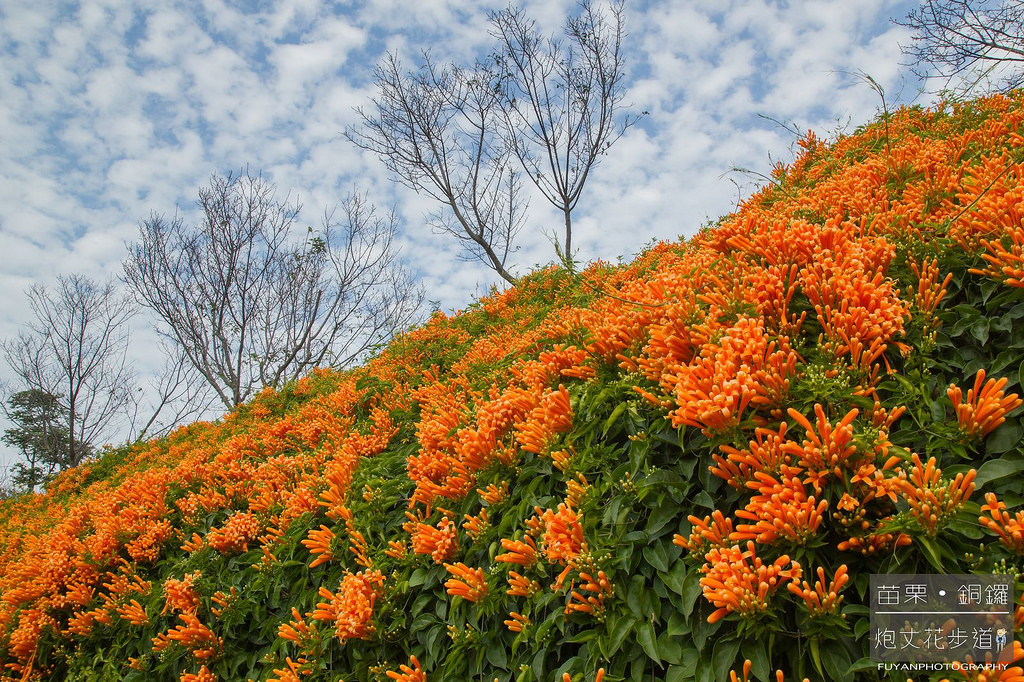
{"type": "Point", "coordinates": [659, 470]}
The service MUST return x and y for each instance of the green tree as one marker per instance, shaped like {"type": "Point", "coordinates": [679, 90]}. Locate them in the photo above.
{"type": "Point", "coordinates": [39, 433]}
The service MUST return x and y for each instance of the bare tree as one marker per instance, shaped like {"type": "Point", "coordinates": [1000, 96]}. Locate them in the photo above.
{"type": "Point", "coordinates": [439, 131]}
{"type": "Point", "coordinates": [76, 350]}
{"type": "Point", "coordinates": [248, 306]}
{"type": "Point", "coordinates": [550, 107]}
{"type": "Point", "coordinates": [967, 42]}
{"type": "Point", "coordinates": [176, 394]}
{"type": "Point", "coordinates": [562, 100]}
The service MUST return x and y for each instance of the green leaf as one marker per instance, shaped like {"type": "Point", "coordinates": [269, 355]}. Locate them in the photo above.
{"type": "Point", "coordinates": [1005, 438]}
{"type": "Point", "coordinates": [836, 660]}
{"type": "Point", "coordinates": [496, 655]}
{"type": "Point", "coordinates": [723, 657]}
{"type": "Point", "coordinates": [979, 330]}
{"type": "Point", "coordinates": [618, 628]}
{"type": "Point", "coordinates": [649, 643]}
{"type": "Point", "coordinates": [613, 417]}
{"type": "Point", "coordinates": [995, 469]}
{"type": "Point", "coordinates": [655, 556]}
{"type": "Point", "coordinates": [931, 553]}
{"type": "Point", "coordinates": [690, 591]}
{"type": "Point", "coordinates": [756, 650]}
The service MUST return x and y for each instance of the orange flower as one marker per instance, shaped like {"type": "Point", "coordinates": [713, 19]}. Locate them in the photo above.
{"type": "Point", "coordinates": [733, 677]}
{"type": "Point", "coordinates": [238, 531]}
{"type": "Point", "coordinates": [563, 534]}
{"type": "Point", "coordinates": [931, 503]}
{"type": "Point", "coordinates": [1005, 264]}
{"type": "Point", "coordinates": [202, 675]}
{"type": "Point", "coordinates": [472, 586]}
{"type": "Point", "coordinates": [520, 586]}
{"type": "Point", "coordinates": [193, 635]}
{"type": "Point", "coordinates": [1010, 530]}
{"type": "Point", "coordinates": [786, 512]}
{"type": "Point", "coordinates": [476, 525]}
{"type": "Point", "coordinates": [985, 408]}
{"type": "Point", "coordinates": [318, 542]}
{"type": "Point", "coordinates": [522, 552]}
{"type": "Point", "coordinates": [518, 622]}
{"type": "Point", "coordinates": [441, 542]}
{"type": "Point", "coordinates": [493, 494]}
{"type": "Point", "coordinates": [133, 613]}
{"type": "Point", "coordinates": [409, 674]}
{"type": "Point", "coordinates": [297, 630]}
{"type": "Point", "coordinates": [827, 448]}
{"type": "Point", "coordinates": [737, 581]}
{"type": "Point", "coordinates": [711, 531]}
{"type": "Point", "coordinates": [181, 595]}
{"type": "Point", "coordinates": [599, 587]}
{"type": "Point", "coordinates": [350, 610]}
{"type": "Point", "coordinates": [823, 599]}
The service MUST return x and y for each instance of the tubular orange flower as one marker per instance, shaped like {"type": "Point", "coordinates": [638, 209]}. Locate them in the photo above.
{"type": "Point", "coordinates": [351, 608]}
{"type": "Point", "coordinates": [439, 542]}
{"type": "Point", "coordinates": [318, 542]}
{"type": "Point", "coordinates": [409, 674]}
{"type": "Point", "coordinates": [519, 586]}
{"type": "Point", "coordinates": [181, 595]}
{"type": "Point", "coordinates": [133, 613]}
{"type": "Point", "coordinates": [711, 531]}
{"type": "Point", "coordinates": [599, 587]}
{"type": "Point", "coordinates": [238, 531]}
{"type": "Point", "coordinates": [201, 675]}
{"type": "Point", "coordinates": [1005, 264]}
{"type": "Point", "coordinates": [493, 494]}
{"type": "Point", "coordinates": [933, 504]}
{"type": "Point", "coordinates": [737, 581]}
{"type": "Point", "coordinates": [476, 525]}
{"type": "Point", "coordinates": [193, 635]}
{"type": "Point", "coordinates": [875, 543]}
{"type": "Point", "coordinates": [826, 448]}
{"type": "Point", "coordinates": [733, 677]}
{"type": "Point", "coordinates": [518, 622]}
{"type": "Point", "coordinates": [522, 552]}
{"type": "Point", "coordinates": [986, 406]}
{"type": "Point", "coordinates": [472, 586]}
{"type": "Point", "coordinates": [291, 672]}
{"type": "Point", "coordinates": [787, 513]}
{"type": "Point", "coordinates": [563, 534]}
{"type": "Point", "coordinates": [929, 292]}
{"type": "Point", "coordinates": [823, 599]}
{"type": "Point", "coordinates": [1010, 530]}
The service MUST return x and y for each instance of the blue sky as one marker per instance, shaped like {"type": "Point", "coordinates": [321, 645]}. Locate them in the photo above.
{"type": "Point", "coordinates": [111, 109]}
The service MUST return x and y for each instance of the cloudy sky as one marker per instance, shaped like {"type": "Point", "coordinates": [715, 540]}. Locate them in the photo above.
{"type": "Point", "coordinates": [113, 109]}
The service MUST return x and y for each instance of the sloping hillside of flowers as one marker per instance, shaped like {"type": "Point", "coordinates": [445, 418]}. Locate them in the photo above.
{"type": "Point", "coordinates": [682, 468]}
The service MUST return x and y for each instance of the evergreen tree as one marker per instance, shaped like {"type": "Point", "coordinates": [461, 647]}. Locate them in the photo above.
{"type": "Point", "coordinates": [40, 434]}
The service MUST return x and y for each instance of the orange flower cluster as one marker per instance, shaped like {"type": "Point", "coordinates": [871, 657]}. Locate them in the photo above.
{"type": "Point", "coordinates": [933, 504]}
{"type": "Point", "coordinates": [468, 583]}
{"type": "Point", "coordinates": [562, 540]}
{"type": "Point", "coordinates": [238, 531]}
{"type": "Point", "coordinates": [193, 635]}
{"type": "Point", "coordinates": [409, 674]}
{"type": "Point", "coordinates": [181, 595]}
{"type": "Point", "coordinates": [441, 542]}
{"type": "Point", "coordinates": [350, 610]}
{"type": "Point", "coordinates": [738, 581]}
{"type": "Point", "coordinates": [986, 406]}
{"type": "Point", "coordinates": [1009, 529]}
{"type": "Point", "coordinates": [823, 599]}
{"type": "Point", "coordinates": [599, 587]}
